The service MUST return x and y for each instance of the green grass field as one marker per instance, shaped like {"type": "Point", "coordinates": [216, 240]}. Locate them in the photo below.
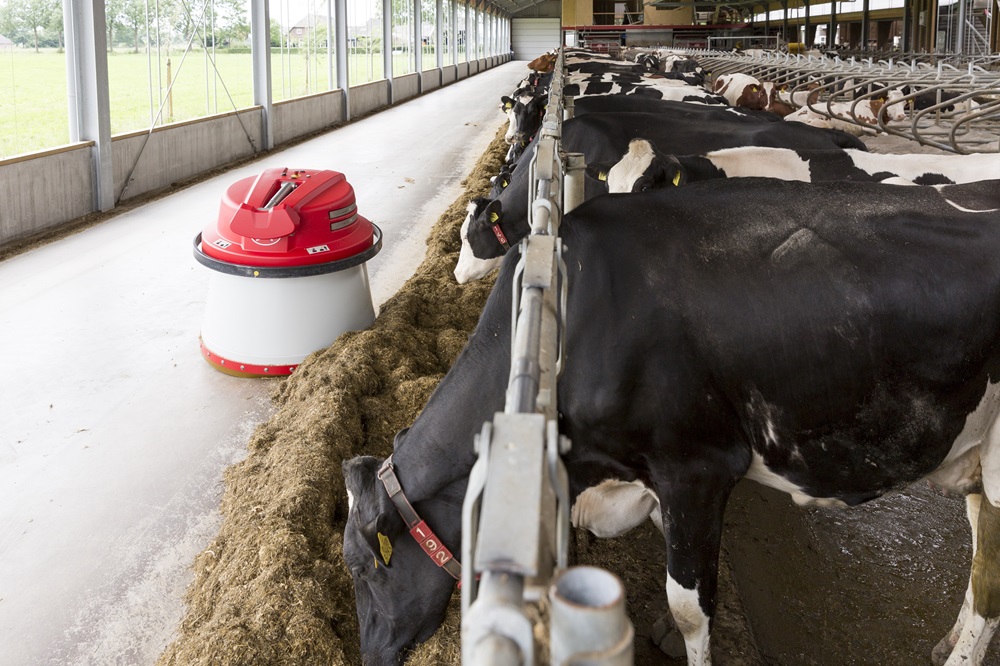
{"type": "Point", "coordinates": [34, 110]}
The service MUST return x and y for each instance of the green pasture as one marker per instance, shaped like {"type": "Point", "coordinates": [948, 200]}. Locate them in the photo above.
{"type": "Point", "coordinates": [33, 97]}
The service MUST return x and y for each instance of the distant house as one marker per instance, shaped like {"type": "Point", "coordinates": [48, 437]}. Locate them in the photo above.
{"type": "Point", "coordinates": [301, 30]}
{"type": "Point", "coordinates": [5, 43]}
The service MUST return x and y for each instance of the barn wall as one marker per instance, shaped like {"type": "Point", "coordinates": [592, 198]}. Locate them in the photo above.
{"type": "Point", "coordinates": [682, 16]}
{"type": "Point", "coordinates": [544, 9]}
{"type": "Point", "coordinates": [404, 87]}
{"type": "Point", "coordinates": [449, 74]}
{"type": "Point", "coordinates": [153, 161]}
{"type": "Point", "coordinates": [533, 37]}
{"type": "Point", "coordinates": [44, 190]}
{"type": "Point", "coordinates": [368, 97]}
{"type": "Point", "coordinates": [430, 80]}
{"type": "Point", "coordinates": [304, 115]}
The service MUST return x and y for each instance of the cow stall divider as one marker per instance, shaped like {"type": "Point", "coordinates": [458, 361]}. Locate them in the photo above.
{"type": "Point", "coordinates": [951, 104]}
{"type": "Point", "coordinates": [515, 519]}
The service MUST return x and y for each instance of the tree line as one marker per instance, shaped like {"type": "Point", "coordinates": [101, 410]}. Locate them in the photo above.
{"type": "Point", "coordinates": [134, 24]}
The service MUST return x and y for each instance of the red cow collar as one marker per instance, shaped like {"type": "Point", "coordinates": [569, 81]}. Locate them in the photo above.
{"type": "Point", "coordinates": [421, 533]}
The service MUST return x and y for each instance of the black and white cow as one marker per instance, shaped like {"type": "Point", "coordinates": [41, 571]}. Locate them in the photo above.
{"type": "Point", "coordinates": [835, 341]}
{"type": "Point", "coordinates": [640, 104]}
{"type": "Point", "coordinates": [645, 167]}
{"type": "Point", "coordinates": [605, 137]}
{"type": "Point", "coordinates": [655, 87]}
{"type": "Point", "coordinates": [524, 118]}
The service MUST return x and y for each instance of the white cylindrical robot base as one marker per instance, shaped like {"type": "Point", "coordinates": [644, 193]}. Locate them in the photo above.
{"type": "Point", "coordinates": [277, 322]}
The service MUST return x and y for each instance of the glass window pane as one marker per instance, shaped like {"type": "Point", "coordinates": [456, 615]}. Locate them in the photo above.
{"type": "Point", "coordinates": [428, 33]}
{"type": "Point", "coordinates": [302, 48]}
{"type": "Point", "coordinates": [34, 112]}
{"type": "Point", "coordinates": [460, 30]}
{"type": "Point", "coordinates": [165, 65]}
{"type": "Point", "coordinates": [402, 37]}
{"type": "Point", "coordinates": [364, 41]}
{"type": "Point", "coordinates": [447, 33]}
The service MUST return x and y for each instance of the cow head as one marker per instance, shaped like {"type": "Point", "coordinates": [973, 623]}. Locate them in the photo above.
{"type": "Point", "coordinates": [524, 115]}
{"type": "Point", "coordinates": [482, 248]}
{"type": "Point", "coordinates": [401, 594]}
{"type": "Point", "coordinates": [774, 104]}
{"type": "Point", "coordinates": [642, 168]}
{"type": "Point", "coordinates": [895, 107]}
{"type": "Point", "coordinates": [500, 181]}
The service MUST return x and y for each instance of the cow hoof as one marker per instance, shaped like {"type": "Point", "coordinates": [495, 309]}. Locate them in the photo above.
{"type": "Point", "coordinates": [943, 650]}
{"type": "Point", "coordinates": [668, 638]}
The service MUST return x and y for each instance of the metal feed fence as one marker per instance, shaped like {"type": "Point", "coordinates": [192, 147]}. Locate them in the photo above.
{"type": "Point", "coordinates": [961, 95]}
{"type": "Point", "coordinates": [515, 523]}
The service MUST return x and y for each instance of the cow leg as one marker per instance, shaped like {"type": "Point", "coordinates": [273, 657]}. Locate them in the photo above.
{"type": "Point", "coordinates": [944, 648]}
{"type": "Point", "coordinates": [981, 623]}
{"type": "Point", "coordinates": [692, 513]}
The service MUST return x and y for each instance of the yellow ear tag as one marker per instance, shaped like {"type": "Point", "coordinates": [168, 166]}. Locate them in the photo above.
{"type": "Point", "coordinates": [494, 217]}
{"type": "Point", "coordinates": [503, 183]}
{"type": "Point", "coordinates": [602, 176]}
{"type": "Point", "coordinates": [385, 547]}
{"type": "Point", "coordinates": [506, 107]}
{"type": "Point", "coordinates": [677, 178]}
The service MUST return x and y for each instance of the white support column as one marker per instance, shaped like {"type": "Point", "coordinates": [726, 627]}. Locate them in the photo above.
{"type": "Point", "coordinates": [87, 89]}
{"type": "Point", "coordinates": [418, 52]}
{"type": "Point", "coordinates": [343, 79]}
{"type": "Point", "coordinates": [387, 45]}
{"type": "Point", "coordinates": [468, 29]}
{"type": "Point", "coordinates": [439, 39]}
{"type": "Point", "coordinates": [475, 29]}
{"type": "Point", "coordinates": [453, 44]}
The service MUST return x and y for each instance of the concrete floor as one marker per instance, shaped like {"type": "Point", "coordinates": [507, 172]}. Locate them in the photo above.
{"type": "Point", "coordinates": [116, 433]}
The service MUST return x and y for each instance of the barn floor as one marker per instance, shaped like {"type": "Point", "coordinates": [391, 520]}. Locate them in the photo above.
{"type": "Point", "coordinates": [116, 434]}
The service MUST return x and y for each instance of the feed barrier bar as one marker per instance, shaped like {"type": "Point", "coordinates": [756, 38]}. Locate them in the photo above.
{"type": "Point", "coordinates": [516, 511]}
{"type": "Point", "coordinates": [951, 104]}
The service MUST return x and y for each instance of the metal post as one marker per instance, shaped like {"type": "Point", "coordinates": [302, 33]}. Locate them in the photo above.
{"type": "Point", "coordinates": [439, 39]}
{"type": "Point", "coordinates": [387, 46]}
{"type": "Point", "coordinates": [87, 86]}
{"type": "Point", "coordinates": [864, 25]}
{"type": "Point", "coordinates": [960, 36]}
{"type": "Point", "coordinates": [589, 620]}
{"type": "Point", "coordinates": [808, 39]}
{"type": "Point", "coordinates": [573, 192]}
{"type": "Point", "coordinates": [418, 42]}
{"type": "Point", "coordinates": [831, 32]}
{"type": "Point", "coordinates": [453, 44]}
{"type": "Point", "coordinates": [784, 21]}
{"type": "Point", "coordinates": [343, 80]}
{"type": "Point", "coordinates": [907, 25]}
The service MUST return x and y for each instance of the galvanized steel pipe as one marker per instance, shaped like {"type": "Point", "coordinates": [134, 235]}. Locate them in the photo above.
{"type": "Point", "coordinates": [589, 624]}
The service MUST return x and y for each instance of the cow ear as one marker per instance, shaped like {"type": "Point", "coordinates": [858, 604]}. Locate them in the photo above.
{"type": "Point", "coordinates": [360, 474]}
{"type": "Point", "coordinates": [675, 172]}
{"type": "Point", "coordinates": [599, 171]}
{"type": "Point", "coordinates": [380, 534]}
{"type": "Point", "coordinates": [507, 102]}
{"type": "Point", "coordinates": [494, 211]}
{"type": "Point", "coordinates": [398, 438]}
